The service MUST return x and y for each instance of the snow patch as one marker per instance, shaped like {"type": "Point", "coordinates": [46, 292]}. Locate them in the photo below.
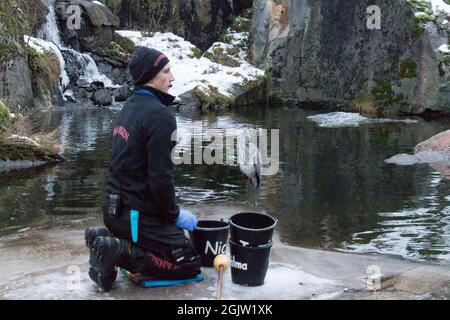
{"type": "Point", "coordinates": [190, 72]}
{"type": "Point", "coordinates": [444, 48]}
{"type": "Point", "coordinates": [99, 3]}
{"type": "Point", "coordinates": [439, 5]}
{"type": "Point", "coordinates": [348, 119]}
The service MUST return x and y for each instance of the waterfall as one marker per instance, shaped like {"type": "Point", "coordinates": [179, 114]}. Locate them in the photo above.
{"type": "Point", "coordinates": [90, 70]}
{"type": "Point", "coordinates": [50, 33]}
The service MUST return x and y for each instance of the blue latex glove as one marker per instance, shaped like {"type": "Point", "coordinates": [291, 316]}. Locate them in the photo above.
{"type": "Point", "coordinates": [186, 220]}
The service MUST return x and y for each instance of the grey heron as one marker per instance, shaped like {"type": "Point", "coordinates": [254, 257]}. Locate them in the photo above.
{"type": "Point", "coordinates": [249, 160]}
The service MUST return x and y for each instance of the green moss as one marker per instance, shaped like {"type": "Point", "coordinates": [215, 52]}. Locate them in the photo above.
{"type": "Point", "coordinates": [219, 56]}
{"type": "Point", "coordinates": [421, 5]}
{"type": "Point", "coordinates": [18, 150]}
{"type": "Point", "coordinates": [383, 94]}
{"type": "Point", "coordinates": [212, 97]}
{"type": "Point", "coordinates": [408, 68]}
{"type": "Point", "coordinates": [44, 65]}
{"type": "Point", "coordinates": [4, 116]}
{"type": "Point", "coordinates": [209, 55]}
{"type": "Point", "coordinates": [127, 46]}
{"type": "Point", "coordinates": [241, 24]}
{"type": "Point", "coordinates": [225, 36]}
{"type": "Point", "coordinates": [196, 53]}
{"type": "Point", "coordinates": [11, 30]}
{"type": "Point", "coordinates": [417, 30]}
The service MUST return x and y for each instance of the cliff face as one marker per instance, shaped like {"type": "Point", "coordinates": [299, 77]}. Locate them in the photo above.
{"type": "Point", "coordinates": [322, 51]}
{"type": "Point", "coordinates": [15, 82]}
{"type": "Point", "coordinates": [198, 21]}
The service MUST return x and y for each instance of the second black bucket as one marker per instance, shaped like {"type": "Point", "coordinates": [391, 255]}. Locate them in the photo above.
{"type": "Point", "coordinates": [252, 229]}
{"type": "Point", "coordinates": [249, 264]}
{"type": "Point", "coordinates": [209, 240]}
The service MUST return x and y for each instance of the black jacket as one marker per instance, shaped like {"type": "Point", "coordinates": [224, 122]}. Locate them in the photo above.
{"type": "Point", "coordinates": [141, 170]}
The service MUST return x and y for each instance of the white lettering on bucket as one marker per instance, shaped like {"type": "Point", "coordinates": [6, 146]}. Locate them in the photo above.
{"type": "Point", "coordinates": [219, 248]}
{"type": "Point", "coordinates": [238, 265]}
{"type": "Point", "coordinates": [244, 243]}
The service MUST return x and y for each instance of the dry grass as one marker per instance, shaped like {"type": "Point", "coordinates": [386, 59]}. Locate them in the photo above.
{"type": "Point", "coordinates": [20, 140]}
{"type": "Point", "coordinates": [365, 107]}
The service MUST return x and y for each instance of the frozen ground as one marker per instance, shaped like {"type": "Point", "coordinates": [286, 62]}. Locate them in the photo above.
{"type": "Point", "coordinates": [52, 263]}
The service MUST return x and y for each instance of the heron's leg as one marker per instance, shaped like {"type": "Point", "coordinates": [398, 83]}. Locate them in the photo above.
{"type": "Point", "coordinates": [251, 192]}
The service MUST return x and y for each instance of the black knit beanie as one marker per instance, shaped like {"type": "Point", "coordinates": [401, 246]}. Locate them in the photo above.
{"type": "Point", "coordinates": [145, 64]}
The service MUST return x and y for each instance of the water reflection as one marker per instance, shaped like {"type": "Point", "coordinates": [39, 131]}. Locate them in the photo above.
{"type": "Point", "coordinates": [333, 190]}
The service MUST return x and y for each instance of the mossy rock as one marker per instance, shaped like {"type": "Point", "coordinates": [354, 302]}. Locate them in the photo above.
{"type": "Point", "coordinates": [408, 68]}
{"type": "Point", "coordinates": [44, 66]}
{"type": "Point", "coordinates": [126, 45]}
{"type": "Point", "coordinates": [14, 149]}
{"type": "Point", "coordinates": [212, 97]}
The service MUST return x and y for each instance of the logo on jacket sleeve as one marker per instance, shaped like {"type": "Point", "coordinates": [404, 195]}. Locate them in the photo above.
{"type": "Point", "coordinates": [121, 131]}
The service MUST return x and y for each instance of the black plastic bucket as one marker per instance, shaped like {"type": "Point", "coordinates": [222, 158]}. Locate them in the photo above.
{"type": "Point", "coordinates": [209, 240]}
{"type": "Point", "coordinates": [249, 264]}
{"type": "Point", "coordinates": [252, 229]}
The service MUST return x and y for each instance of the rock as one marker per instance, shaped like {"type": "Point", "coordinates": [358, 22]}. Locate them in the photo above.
{"type": "Point", "coordinates": [97, 85]}
{"type": "Point", "coordinates": [323, 52]}
{"type": "Point", "coordinates": [122, 93]}
{"type": "Point", "coordinates": [241, 5]}
{"type": "Point", "coordinates": [15, 84]}
{"type": "Point", "coordinates": [440, 142]}
{"type": "Point", "coordinates": [45, 80]}
{"type": "Point", "coordinates": [35, 13]}
{"type": "Point", "coordinates": [98, 15]}
{"type": "Point", "coordinates": [190, 100]}
{"type": "Point", "coordinates": [15, 79]}
{"type": "Point", "coordinates": [102, 97]}
{"type": "Point", "coordinates": [97, 25]}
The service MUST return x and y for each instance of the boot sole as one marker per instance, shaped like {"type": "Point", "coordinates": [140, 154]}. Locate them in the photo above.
{"type": "Point", "coordinates": [97, 272]}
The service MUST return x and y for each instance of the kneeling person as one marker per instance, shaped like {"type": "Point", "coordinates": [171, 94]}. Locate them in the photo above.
{"type": "Point", "coordinates": [145, 227]}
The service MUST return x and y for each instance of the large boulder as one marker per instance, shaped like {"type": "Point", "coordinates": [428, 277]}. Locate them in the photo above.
{"type": "Point", "coordinates": [45, 78]}
{"type": "Point", "coordinates": [97, 25]}
{"type": "Point", "coordinates": [322, 51]}
{"type": "Point", "coordinates": [439, 146]}
{"type": "Point", "coordinates": [439, 143]}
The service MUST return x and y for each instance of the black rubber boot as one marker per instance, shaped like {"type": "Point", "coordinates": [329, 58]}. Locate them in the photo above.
{"type": "Point", "coordinates": [106, 254]}
{"type": "Point", "coordinates": [93, 232]}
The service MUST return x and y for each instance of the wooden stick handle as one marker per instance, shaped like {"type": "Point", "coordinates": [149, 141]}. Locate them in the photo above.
{"type": "Point", "coordinates": [219, 284]}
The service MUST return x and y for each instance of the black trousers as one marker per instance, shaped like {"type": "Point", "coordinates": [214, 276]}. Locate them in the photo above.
{"type": "Point", "coordinates": [171, 257]}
